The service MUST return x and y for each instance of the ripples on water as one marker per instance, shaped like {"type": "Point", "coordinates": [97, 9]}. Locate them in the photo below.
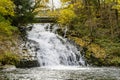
{"type": "Point", "coordinates": [63, 73]}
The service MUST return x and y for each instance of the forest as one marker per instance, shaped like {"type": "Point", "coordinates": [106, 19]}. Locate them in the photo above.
{"type": "Point", "coordinates": [92, 24]}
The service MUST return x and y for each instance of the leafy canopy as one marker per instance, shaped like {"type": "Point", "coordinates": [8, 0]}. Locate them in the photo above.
{"type": "Point", "coordinates": [7, 7]}
{"type": "Point", "coordinates": [5, 27]}
{"type": "Point", "coordinates": [66, 16]}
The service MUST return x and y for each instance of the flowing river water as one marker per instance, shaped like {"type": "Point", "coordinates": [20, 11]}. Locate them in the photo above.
{"type": "Point", "coordinates": [62, 73]}
{"type": "Point", "coordinates": [59, 59]}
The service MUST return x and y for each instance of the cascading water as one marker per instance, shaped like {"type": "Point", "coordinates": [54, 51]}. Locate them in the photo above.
{"type": "Point", "coordinates": [53, 52]}
{"type": "Point", "coordinates": [52, 49]}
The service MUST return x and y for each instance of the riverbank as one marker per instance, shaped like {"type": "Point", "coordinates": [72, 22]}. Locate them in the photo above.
{"type": "Point", "coordinates": [10, 46]}
{"type": "Point", "coordinates": [99, 54]}
{"type": "Point", "coordinates": [94, 25]}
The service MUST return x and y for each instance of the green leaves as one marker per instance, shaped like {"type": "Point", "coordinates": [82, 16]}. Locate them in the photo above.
{"type": "Point", "coordinates": [9, 58]}
{"type": "Point", "coordinates": [7, 7]}
{"type": "Point", "coordinates": [23, 12]}
{"type": "Point", "coordinates": [5, 27]}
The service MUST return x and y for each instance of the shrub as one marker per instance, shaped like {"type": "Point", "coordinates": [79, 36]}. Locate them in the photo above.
{"type": "Point", "coordinates": [5, 27]}
{"type": "Point", "coordinates": [66, 16]}
{"type": "Point", "coordinates": [9, 58]}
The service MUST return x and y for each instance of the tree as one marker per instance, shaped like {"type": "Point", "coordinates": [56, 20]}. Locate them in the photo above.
{"type": "Point", "coordinates": [6, 10]}
{"type": "Point", "coordinates": [66, 16]}
{"type": "Point", "coordinates": [26, 10]}
{"type": "Point", "coordinates": [23, 12]}
{"type": "Point", "coordinates": [5, 28]}
{"type": "Point", "coordinates": [6, 7]}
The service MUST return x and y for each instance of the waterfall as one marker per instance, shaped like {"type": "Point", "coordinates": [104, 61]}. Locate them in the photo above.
{"type": "Point", "coordinates": [52, 49]}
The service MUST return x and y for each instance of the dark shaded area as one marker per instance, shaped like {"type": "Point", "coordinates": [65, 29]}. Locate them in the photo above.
{"type": "Point", "coordinates": [45, 20]}
{"type": "Point", "coordinates": [27, 64]}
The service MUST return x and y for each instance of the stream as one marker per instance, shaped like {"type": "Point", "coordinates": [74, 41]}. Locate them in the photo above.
{"type": "Point", "coordinates": [62, 73]}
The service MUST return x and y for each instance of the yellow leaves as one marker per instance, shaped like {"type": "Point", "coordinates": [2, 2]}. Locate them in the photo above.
{"type": "Point", "coordinates": [80, 42]}
{"type": "Point", "coordinates": [115, 60]}
{"type": "Point", "coordinates": [5, 28]}
{"type": "Point", "coordinates": [78, 5]}
{"type": "Point", "coordinates": [40, 6]}
{"type": "Point", "coordinates": [46, 0]}
{"type": "Point", "coordinates": [108, 1]}
{"type": "Point", "coordinates": [117, 6]}
{"type": "Point", "coordinates": [53, 13]}
{"type": "Point", "coordinates": [65, 1]}
{"type": "Point", "coordinates": [66, 16]}
{"type": "Point", "coordinates": [7, 7]}
{"type": "Point", "coordinates": [98, 51]}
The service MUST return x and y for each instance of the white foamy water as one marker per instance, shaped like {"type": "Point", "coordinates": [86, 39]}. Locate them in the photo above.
{"type": "Point", "coordinates": [52, 49]}
{"type": "Point", "coordinates": [64, 68]}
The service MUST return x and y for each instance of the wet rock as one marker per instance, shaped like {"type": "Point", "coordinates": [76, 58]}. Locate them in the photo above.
{"type": "Point", "coordinates": [24, 63]}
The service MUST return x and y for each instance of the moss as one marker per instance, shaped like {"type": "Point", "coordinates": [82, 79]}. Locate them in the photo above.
{"type": "Point", "coordinates": [9, 58]}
